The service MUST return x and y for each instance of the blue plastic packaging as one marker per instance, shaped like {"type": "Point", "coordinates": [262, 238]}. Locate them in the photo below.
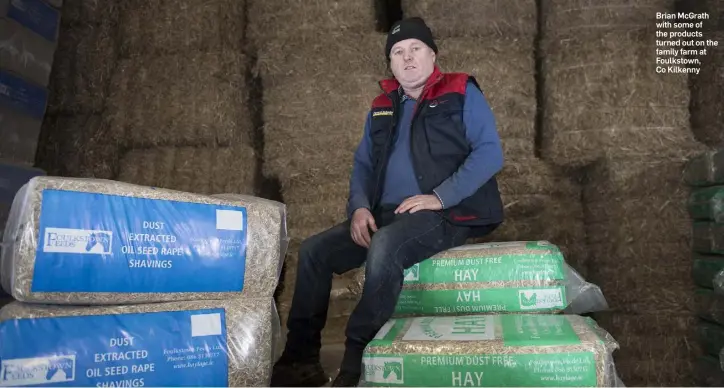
{"type": "Point", "coordinates": [35, 15]}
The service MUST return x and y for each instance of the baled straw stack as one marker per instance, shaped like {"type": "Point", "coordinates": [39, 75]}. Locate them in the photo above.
{"type": "Point", "coordinates": [249, 325]}
{"type": "Point", "coordinates": [84, 63]}
{"type": "Point", "coordinates": [78, 146]}
{"type": "Point", "coordinates": [520, 276]}
{"type": "Point", "coordinates": [711, 337]}
{"type": "Point", "coordinates": [601, 93]}
{"type": "Point", "coordinates": [542, 202]}
{"type": "Point", "coordinates": [505, 71]}
{"type": "Point", "coordinates": [708, 238]}
{"type": "Point", "coordinates": [262, 248]}
{"type": "Point", "coordinates": [90, 11]}
{"type": "Point", "coordinates": [705, 169]}
{"type": "Point", "coordinates": [202, 170]}
{"type": "Point", "coordinates": [497, 350]}
{"type": "Point", "coordinates": [639, 234]}
{"type": "Point", "coordinates": [476, 18]}
{"type": "Point", "coordinates": [191, 99]}
{"type": "Point", "coordinates": [709, 305]}
{"type": "Point", "coordinates": [25, 53]}
{"type": "Point", "coordinates": [176, 26]}
{"type": "Point", "coordinates": [270, 21]}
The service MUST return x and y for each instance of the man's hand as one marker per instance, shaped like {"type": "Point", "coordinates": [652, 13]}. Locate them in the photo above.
{"type": "Point", "coordinates": [362, 223]}
{"type": "Point", "coordinates": [419, 202]}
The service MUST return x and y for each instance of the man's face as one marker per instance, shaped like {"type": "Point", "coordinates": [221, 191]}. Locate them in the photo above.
{"type": "Point", "coordinates": [412, 62]}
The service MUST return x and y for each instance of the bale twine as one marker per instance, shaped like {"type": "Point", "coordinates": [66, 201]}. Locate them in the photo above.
{"type": "Point", "coordinates": [503, 350]}
{"type": "Point", "coordinates": [250, 328]}
{"type": "Point", "coordinates": [601, 93]}
{"type": "Point", "coordinates": [475, 18]}
{"type": "Point", "coordinates": [505, 71]}
{"type": "Point", "coordinates": [78, 146]}
{"type": "Point", "coordinates": [261, 267]}
{"type": "Point", "coordinates": [705, 169]}
{"type": "Point", "coordinates": [320, 17]}
{"type": "Point", "coordinates": [202, 170]}
{"type": "Point", "coordinates": [501, 277]}
{"type": "Point", "coordinates": [149, 107]}
{"type": "Point", "coordinates": [85, 61]}
{"type": "Point", "coordinates": [90, 11]}
{"type": "Point", "coordinates": [176, 26]}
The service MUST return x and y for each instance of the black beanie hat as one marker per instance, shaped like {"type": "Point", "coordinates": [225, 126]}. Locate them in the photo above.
{"type": "Point", "coordinates": [410, 28]}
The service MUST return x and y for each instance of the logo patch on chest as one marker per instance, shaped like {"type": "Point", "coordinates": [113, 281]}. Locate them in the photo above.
{"type": "Point", "coordinates": [382, 113]}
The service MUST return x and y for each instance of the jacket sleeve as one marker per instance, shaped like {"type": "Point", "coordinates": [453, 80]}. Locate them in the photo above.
{"type": "Point", "coordinates": [361, 172]}
{"type": "Point", "coordinates": [486, 157]}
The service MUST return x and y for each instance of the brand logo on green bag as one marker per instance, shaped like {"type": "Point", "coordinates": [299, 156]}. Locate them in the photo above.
{"type": "Point", "coordinates": [412, 274]}
{"type": "Point", "coordinates": [540, 299]}
{"type": "Point", "coordinates": [388, 370]}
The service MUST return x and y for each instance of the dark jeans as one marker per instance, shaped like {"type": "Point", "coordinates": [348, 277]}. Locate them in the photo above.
{"type": "Point", "coordinates": [401, 241]}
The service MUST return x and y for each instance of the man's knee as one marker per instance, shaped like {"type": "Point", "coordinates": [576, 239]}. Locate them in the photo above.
{"type": "Point", "coordinates": [316, 250]}
{"type": "Point", "coordinates": [384, 253]}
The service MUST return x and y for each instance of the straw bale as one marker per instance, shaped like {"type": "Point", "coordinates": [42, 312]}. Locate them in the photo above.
{"type": "Point", "coordinates": [176, 26]}
{"type": "Point", "coordinates": [505, 71]}
{"type": "Point", "coordinates": [84, 63]}
{"type": "Point", "coordinates": [202, 170]}
{"type": "Point", "coordinates": [705, 169]}
{"type": "Point", "coordinates": [655, 373]}
{"type": "Point", "coordinates": [475, 18]}
{"type": "Point", "coordinates": [638, 177]}
{"type": "Point", "coordinates": [708, 237]}
{"type": "Point", "coordinates": [657, 324]}
{"type": "Point", "coordinates": [425, 348]}
{"type": "Point", "coordinates": [301, 136]}
{"type": "Point", "coordinates": [310, 55]}
{"type": "Point", "coordinates": [78, 146]}
{"type": "Point", "coordinates": [148, 106]}
{"type": "Point", "coordinates": [576, 16]}
{"type": "Point", "coordinates": [249, 323]}
{"type": "Point", "coordinates": [91, 11]}
{"type": "Point", "coordinates": [668, 347]}
{"type": "Point", "coordinates": [708, 372]}
{"type": "Point", "coordinates": [270, 21]}
{"type": "Point", "coordinates": [644, 277]}
{"type": "Point", "coordinates": [707, 92]}
{"type": "Point", "coordinates": [619, 105]}
{"type": "Point", "coordinates": [706, 269]}
{"type": "Point", "coordinates": [533, 176]}
{"type": "Point", "coordinates": [262, 249]}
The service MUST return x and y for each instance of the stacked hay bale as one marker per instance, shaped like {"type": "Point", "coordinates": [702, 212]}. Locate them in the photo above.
{"type": "Point", "coordinates": [601, 93]}
{"type": "Point", "coordinates": [179, 104]}
{"type": "Point", "coordinates": [185, 303]}
{"type": "Point", "coordinates": [84, 62]}
{"type": "Point", "coordinates": [706, 209]}
{"type": "Point", "coordinates": [495, 42]}
{"type": "Point", "coordinates": [319, 67]}
{"type": "Point", "coordinates": [28, 40]}
{"type": "Point", "coordinates": [707, 87]}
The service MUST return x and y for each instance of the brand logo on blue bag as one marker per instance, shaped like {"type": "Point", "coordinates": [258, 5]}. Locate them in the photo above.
{"type": "Point", "coordinates": [39, 370]}
{"type": "Point", "coordinates": [61, 240]}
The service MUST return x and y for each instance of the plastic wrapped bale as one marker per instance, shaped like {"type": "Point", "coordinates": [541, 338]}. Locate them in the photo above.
{"type": "Point", "coordinates": [706, 169]}
{"type": "Point", "coordinates": [709, 305]}
{"type": "Point", "coordinates": [88, 241]}
{"type": "Point", "coordinates": [708, 237]}
{"type": "Point", "coordinates": [706, 271]}
{"type": "Point", "coordinates": [709, 372]}
{"type": "Point", "coordinates": [707, 204]}
{"type": "Point", "coordinates": [25, 53]}
{"type": "Point", "coordinates": [198, 343]}
{"type": "Point", "coordinates": [491, 350]}
{"type": "Point", "coordinates": [711, 337]}
{"type": "Point", "coordinates": [519, 276]}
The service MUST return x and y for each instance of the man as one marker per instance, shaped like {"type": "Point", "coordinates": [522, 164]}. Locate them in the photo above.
{"type": "Point", "coordinates": [423, 181]}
